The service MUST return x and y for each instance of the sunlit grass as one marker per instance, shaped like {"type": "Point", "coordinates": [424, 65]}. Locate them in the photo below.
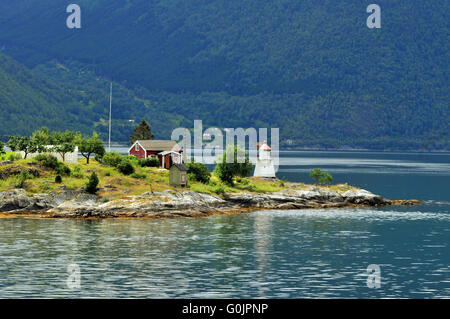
{"type": "Point", "coordinates": [114, 184]}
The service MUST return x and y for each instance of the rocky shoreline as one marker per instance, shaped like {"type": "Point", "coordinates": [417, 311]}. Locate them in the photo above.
{"type": "Point", "coordinates": [170, 204]}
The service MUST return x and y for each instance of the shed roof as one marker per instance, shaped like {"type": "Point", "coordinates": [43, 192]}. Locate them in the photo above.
{"type": "Point", "coordinates": [181, 167]}
{"type": "Point", "coordinates": [159, 145]}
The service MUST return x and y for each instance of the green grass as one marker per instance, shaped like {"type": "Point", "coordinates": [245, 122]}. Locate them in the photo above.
{"type": "Point", "coordinates": [145, 179]}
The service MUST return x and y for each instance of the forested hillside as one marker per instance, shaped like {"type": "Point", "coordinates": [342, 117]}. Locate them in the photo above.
{"type": "Point", "coordinates": [70, 97]}
{"type": "Point", "coordinates": [311, 68]}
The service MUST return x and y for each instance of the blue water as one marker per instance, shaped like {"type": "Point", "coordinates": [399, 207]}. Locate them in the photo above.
{"type": "Point", "coordinates": [265, 254]}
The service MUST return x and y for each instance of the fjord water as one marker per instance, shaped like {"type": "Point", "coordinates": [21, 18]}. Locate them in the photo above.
{"type": "Point", "coordinates": [265, 254]}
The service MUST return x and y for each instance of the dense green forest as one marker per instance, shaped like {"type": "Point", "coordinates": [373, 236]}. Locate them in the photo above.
{"type": "Point", "coordinates": [311, 68]}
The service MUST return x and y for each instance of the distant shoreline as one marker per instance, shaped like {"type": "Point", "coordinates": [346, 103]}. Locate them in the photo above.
{"type": "Point", "coordinates": [313, 149]}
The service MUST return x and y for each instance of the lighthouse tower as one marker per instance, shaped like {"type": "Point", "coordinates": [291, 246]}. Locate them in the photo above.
{"type": "Point", "coordinates": [264, 165]}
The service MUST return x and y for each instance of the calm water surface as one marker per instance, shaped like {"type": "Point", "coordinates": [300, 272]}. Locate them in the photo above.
{"type": "Point", "coordinates": [265, 254]}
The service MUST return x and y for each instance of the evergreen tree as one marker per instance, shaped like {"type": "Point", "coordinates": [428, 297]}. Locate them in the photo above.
{"type": "Point", "coordinates": [2, 151]}
{"type": "Point", "coordinates": [142, 132]}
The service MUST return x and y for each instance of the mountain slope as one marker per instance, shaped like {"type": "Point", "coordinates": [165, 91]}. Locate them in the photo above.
{"type": "Point", "coordinates": [28, 101]}
{"type": "Point", "coordinates": [312, 68]}
{"type": "Point", "coordinates": [69, 97]}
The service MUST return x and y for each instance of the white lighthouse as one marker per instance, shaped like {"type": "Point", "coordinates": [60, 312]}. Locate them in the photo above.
{"type": "Point", "coordinates": [264, 165]}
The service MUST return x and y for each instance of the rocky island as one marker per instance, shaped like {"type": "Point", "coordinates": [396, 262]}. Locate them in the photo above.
{"type": "Point", "coordinates": [28, 188]}
{"type": "Point", "coordinates": [170, 203]}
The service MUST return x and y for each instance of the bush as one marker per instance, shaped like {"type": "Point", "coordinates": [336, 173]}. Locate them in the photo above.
{"type": "Point", "coordinates": [112, 159]}
{"type": "Point", "coordinates": [125, 167]}
{"type": "Point", "coordinates": [58, 179]}
{"type": "Point", "coordinates": [47, 160]}
{"type": "Point", "coordinates": [199, 172]}
{"type": "Point", "coordinates": [219, 190]}
{"type": "Point", "coordinates": [320, 177]}
{"type": "Point", "coordinates": [131, 158]}
{"type": "Point", "coordinates": [63, 170]}
{"type": "Point", "coordinates": [149, 162]}
{"type": "Point", "coordinates": [99, 157]}
{"type": "Point", "coordinates": [22, 178]}
{"type": "Point", "coordinates": [77, 173]}
{"type": "Point", "coordinates": [139, 176]}
{"type": "Point", "coordinates": [227, 171]}
{"type": "Point", "coordinates": [91, 185]}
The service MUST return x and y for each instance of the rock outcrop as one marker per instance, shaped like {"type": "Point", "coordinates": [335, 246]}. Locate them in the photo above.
{"type": "Point", "coordinates": [77, 204]}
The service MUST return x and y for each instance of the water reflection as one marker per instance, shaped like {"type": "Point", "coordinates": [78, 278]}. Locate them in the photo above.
{"type": "Point", "coordinates": [266, 254]}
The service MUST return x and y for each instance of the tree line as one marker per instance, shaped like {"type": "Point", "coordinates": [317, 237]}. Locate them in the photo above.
{"type": "Point", "coordinates": [62, 143]}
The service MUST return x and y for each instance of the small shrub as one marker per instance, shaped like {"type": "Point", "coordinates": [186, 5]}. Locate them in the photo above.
{"type": "Point", "coordinates": [149, 162]}
{"type": "Point", "coordinates": [108, 174]}
{"type": "Point", "coordinates": [219, 190]}
{"type": "Point", "coordinates": [99, 158]}
{"type": "Point", "coordinates": [212, 183]}
{"type": "Point", "coordinates": [244, 181]}
{"type": "Point", "coordinates": [63, 170]}
{"type": "Point", "coordinates": [112, 159]}
{"type": "Point", "coordinates": [131, 158]}
{"type": "Point", "coordinates": [58, 179]}
{"type": "Point", "coordinates": [138, 176]}
{"type": "Point", "coordinates": [47, 160]}
{"type": "Point", "coordinates": [320, 177]}
{"type": "Point", "coordinates": [125, 167]}
{"type": "Point", "coordinates": [45, 187]}
{"type": "Point", "coordinates": [199, 172]}
{"type": "Point", "coordinates": [91, 185]}
{"type": "Point", "coordinates": [76, 172]}
{"type": "Point", "coordinates": [22, 178]}
{"type": "Point", "coordinates": [11, 157]}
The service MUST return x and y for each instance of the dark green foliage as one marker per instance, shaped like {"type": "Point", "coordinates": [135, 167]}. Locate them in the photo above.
{"type": "Point", "coordinates": [47, 160]}
{"type": "Point", "coordinates": [311, 68]}
{"type": "Point", "coordinates": [149, 162]}
{"type": "Point", "coordinates": [227, 171]}
{"type": "Point", "coordinates": [91, 185]}
{"type": "Point", "coordinates": [2, 148]}
{"type": "Point", "coordinates": [58, 179]}
{"type": "Point", "coordinates": [199, 172]}
{"type": "Point", "coordinates": [125, 167]}
{"type": "Point", "coordinates": [219, 190]}
{"type": "Point", "coordinates": [112, 159]}
{"type": "Point", "coordinates": [63, 170]}
{"type": "Point", "coordinates": [50, 161]}
{"type": "Point", "coordinates": [320, 177]}
{"type": "Point", "coordinates": [138, 176]}
{"type": "Point", "coordinates": [142, 132]}
{"type": "Point", "coordinates": [326, 179]}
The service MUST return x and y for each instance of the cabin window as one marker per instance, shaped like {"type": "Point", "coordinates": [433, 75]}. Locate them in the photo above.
{"type": "Point", "coordinates": [137, 147]}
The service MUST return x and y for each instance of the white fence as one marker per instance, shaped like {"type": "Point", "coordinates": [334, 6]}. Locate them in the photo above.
{"type": "Point", "coordinates": [70, 157]}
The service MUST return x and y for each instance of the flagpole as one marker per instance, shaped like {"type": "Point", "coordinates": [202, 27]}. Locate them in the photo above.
{"type": "Point", "coordinates": [110, 109]}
